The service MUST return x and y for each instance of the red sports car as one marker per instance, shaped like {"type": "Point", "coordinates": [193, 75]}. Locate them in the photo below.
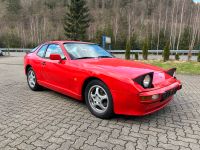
{"type": "Point", "coordinates": [108, 85]}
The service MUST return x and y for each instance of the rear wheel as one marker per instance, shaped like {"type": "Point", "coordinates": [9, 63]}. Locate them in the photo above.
{"type": "Point", "coordinates": [99, 99]}
{"type": "Point", "coordinates": [32, 80]}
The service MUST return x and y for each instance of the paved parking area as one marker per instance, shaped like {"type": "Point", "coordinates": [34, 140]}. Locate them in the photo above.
{"type": "Point", "coordinates": [48, 120]}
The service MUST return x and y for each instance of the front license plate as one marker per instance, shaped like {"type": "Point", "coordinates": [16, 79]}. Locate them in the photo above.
{"type": "Point", "coordinates": [168, 94]}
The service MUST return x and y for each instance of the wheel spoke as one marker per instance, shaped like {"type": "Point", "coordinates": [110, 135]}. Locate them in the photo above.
{"type": "Point", "coordinates": [101, 106]}
{"type": "Point", "coordinates": [97, 91]}
{"type": "Point", "coordinates": [92, 95]}
{"type": "Point", "coordinates": [102, 97]}
{"type": "Point", "coordinates": [95, 105]}
{"type": "Point", "coordinates": [33, 83]}
{"type": "Point", "coordinates": [33, 75]}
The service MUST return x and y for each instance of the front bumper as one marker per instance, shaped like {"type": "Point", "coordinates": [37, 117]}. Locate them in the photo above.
{"type": "Point", "coordinates": [163, 93]}
{"type": "Point", "coordinates": [165, 96]}
{"type": "Point", "coordinates": [132, 104]}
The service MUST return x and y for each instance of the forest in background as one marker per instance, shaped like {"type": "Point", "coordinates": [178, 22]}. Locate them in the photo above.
{"type": "Point", "coordinates": [26, 23]}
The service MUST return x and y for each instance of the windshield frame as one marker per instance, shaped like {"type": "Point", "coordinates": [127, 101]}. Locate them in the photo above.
{"type": "Point", "coordinates": [99, 57]}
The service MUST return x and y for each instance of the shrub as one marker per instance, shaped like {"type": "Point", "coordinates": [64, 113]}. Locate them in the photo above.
{"type": "Point", "coordinates": [145, 49]}
{"type": "Point", "coordinates": [136, 56]}
{"type": "Point", "coordinates": [166, 53]}
{"type": "Point", "coordinates": [128, 50]}
{"type": "Point", "coordinates": [177, 57]}
{"type": "Point", "coordinates": [198, 57]}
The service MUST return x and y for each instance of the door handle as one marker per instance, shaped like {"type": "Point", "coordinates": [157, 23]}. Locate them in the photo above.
{"type": "Point", "coordinates": [43, 63]}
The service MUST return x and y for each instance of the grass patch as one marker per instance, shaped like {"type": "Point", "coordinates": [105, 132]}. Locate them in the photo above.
{"type": "Point", "coordinates": [183, 67]}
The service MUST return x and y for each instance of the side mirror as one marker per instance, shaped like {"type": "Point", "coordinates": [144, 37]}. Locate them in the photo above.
{"type": "Point", "coordinates": [55, 57]}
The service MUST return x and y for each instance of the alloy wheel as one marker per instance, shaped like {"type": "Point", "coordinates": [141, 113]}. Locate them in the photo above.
{"type": "Point", "coordinates": [98, 99]}
{"type": "Point", "coordinates": [31, 79]}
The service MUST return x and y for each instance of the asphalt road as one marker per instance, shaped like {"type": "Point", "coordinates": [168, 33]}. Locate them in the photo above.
{"type": "Point", "coordinates": [48, 120]}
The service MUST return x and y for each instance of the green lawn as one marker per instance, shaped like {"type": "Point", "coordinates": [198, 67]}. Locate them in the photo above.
{"type": "Point", "coordinates": [183, 67]}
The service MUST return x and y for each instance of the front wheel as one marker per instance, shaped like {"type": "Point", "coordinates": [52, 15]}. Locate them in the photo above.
{"type": "Point", "coordinates": [32, 80]}
{"type": "Point", "coordinates": [99, 99]}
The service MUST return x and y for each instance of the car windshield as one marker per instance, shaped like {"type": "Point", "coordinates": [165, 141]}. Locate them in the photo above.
{"type": "Point", "coordinates": [86, 51]}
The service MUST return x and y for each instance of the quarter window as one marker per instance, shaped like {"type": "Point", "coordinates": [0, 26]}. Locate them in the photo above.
{"type": "Point", "coordinates": [54, 49]}
{"type": "Point", "coordinates": [33, 50]}
{"type": "Point", "coordinates": [42, 50]}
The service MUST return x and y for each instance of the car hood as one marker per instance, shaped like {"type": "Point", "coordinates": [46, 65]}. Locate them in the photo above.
{"type": "Point", "coordinates": [120, 67]}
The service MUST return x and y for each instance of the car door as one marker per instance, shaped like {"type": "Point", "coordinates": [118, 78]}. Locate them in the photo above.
{"type": "Point", "coordinates": [38, 62]}
{"type": "Point", "coordinates": [55, 72]}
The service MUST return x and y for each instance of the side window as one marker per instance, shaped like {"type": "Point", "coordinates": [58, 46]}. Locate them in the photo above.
{"type": "Point", "coordinates": [42, 50]}
{"type": "Point", "coordinates": [54, 49]}
{"type": "Point", "coordinates": [33, 50]}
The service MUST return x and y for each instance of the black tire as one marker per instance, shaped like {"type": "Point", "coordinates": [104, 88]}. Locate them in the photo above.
{"type": "Point", "coordinates": [36, 87]}
{"type": "Point", "coordinates": [109, 111]}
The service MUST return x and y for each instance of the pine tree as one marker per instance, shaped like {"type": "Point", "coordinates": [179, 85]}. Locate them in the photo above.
{"type": "Point", "coordinates": [128, 50]}
{"type": "Point", "coordinates": [177, 57]}
{"type": "Point", "coordinates": [136, 56]}
{"type": "Point", "coordinates": [198, 57]}
{"type": "Point", "coordinates": [13, 7]}
{"type": "Point", "coordinates": [134, 42]}
{"type": "Point", "coordinates": [166, 52]}
{"type": "Point", "coordinates": [76, 20]}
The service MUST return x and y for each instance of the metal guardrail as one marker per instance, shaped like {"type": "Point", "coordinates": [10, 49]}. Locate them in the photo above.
{"type": "Point", "coordinates": [156, 51]}
{"type": "Point", "coordinates": [112, 51]}
{"type": "Point", "coordinates": [15, 49]}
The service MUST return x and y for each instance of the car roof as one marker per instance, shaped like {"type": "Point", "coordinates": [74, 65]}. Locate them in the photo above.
{"type": "Point", "coordinates": [67, 41]}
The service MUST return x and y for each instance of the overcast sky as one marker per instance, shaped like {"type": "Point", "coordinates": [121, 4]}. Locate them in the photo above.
{"type": "Point", "coordinates": [196, 0]}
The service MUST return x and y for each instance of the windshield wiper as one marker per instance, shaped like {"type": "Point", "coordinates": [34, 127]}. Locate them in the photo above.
{"type": "Point", "coordinates": [85, 58]}
{"type": "Point", "coordinates": [105, 57]}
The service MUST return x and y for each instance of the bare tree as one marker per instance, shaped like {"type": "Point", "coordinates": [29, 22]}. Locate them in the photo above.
{"type": "Point", "coordinates": [195, 30]}
{"type": "Point", "coordinates": [42, 20]}
{"type": "Point", "coordinates": [172, 23]}
{"type": "Point", "coordinates": [181, 25]}
{"type": "Point", "coordinates": [159, 25]}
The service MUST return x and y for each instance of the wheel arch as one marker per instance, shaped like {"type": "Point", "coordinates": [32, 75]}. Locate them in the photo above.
{"type": "Point", "coordinates": [27, 67]}
{"type": "Point", "coordinates": [85, 83]}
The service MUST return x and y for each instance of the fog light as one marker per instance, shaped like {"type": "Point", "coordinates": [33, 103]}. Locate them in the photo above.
{"type": "Point", "coordinates": [146, 98]}
{"type": "Point", "coordinates": [155, 97]}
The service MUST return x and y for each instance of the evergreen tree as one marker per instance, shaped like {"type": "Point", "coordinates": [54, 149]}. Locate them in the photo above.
{"type": "Point", "coordinates": [166, 53]}
{"type": "Point", "coordinates": [154, 40]}
{"type": "Point", "coordinates": [177, 57]}
{"type": "Point", "coordinates": [128, 50]}
{"type": "Point", "coordinates": [10, 39]}
{"type": "Point", "coordinates": [136, 56]}
{"type": "Point", "coordinates": [13, 7]}
{"type": "Point", "coordinates": [51, 4]}
{"type": "Point", "coordinates": [76, 20]}
{"type": "Point", "coordinates": [185, 39]}
{"type": "Point", "coordinates": [145, 49]}
{"type": "Point", "coordinates": [163, 39]}
{"type": "Point", "coordinates": [198, 57]}
{"type": "Point", "coordinates": [134, 43]}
